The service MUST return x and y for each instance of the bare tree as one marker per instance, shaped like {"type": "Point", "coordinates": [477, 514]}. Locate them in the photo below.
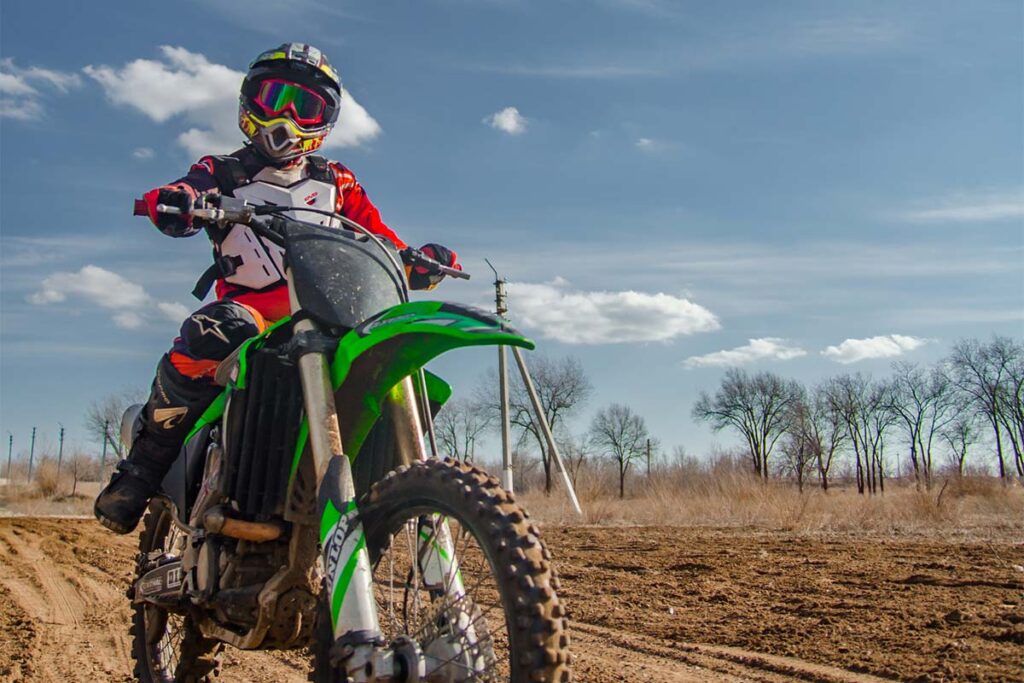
{"type": "Point", "coordinates": [980, 372]}
{"type": "Point", "coordinates": [861, 404]}
{"type": "Point", "coordinates": [562, 387]}
{"type": "Point", "coordinates": [458, 425]}
{"type": "Point", "coordinates": [622, 435]}
{"type": "Point", "coordinates": [576, 451]}
{"type": "Point", "coordinates": [757, 406]}
{"type": "Point", "coordinates": [923, 402]}
{"type": "Point", "coordinates": [797, 449]}
{"type": "Point", "coordinates": [816, 434]}
{"type": "Point", "coordinates": [1010, 355]}
{"type": "Point", "coordinates": [83, 467]}
{"type": "Point", "coordinates": [103, 417]}
{"type": "Point", "coordinates": [960, 433]}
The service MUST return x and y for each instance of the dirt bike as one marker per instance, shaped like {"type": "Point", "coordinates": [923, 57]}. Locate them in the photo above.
{"type": "Point", "coordinates": [304, 509]}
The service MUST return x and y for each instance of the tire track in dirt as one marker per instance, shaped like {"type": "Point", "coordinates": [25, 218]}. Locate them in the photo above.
{"type": "Point", "coordinates": [64, 615]}
{"type": "Point", "coordinates": [650, 658]}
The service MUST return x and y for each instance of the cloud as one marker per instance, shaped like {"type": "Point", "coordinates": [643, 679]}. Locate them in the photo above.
{"type": "Point", "coordinates": [508, 120]}
{"type": "Point", "coordinates": [173, 311]}
{"type": "Point", "coordinates": [580, 317]}
{"type": "Point", "coordinates": [95, 284]}
{"type": "Point", "coordinates": [766, 348]}
{"type": "Point", "coordinates": [19, 98]}
{"type": "Point", "coordinates": [978, 207]}
{"type": "Point", "coordinates": [142, 153]}
{"type": "Point", "coordinates": [130, 302]}
{"type": "Point", "coordinates": [845, 35]}
{"type": "Point", "coordinates": [188, 88]}
{"type": "Point", "coordinates": [886, 346]}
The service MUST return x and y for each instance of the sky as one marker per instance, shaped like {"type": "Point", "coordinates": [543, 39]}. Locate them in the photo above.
{"type": "Point", "coordinates": [671, 188]}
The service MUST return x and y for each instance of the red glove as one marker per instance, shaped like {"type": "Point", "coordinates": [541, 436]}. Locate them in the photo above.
{"type": "Point", "coordinates": [425, 277]}
{"type": "Point", "coordinates": [181, 196]}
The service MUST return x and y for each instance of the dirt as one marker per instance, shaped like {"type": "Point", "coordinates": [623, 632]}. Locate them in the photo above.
{"type": "Point", "coordinates": [662, 604]}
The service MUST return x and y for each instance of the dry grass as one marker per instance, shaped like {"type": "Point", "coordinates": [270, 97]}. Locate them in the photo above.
{"type": "Point", "coordinates": [729, 497]}
{"type": "Point", "coordinates": [721, 494]}
{"type": "Point", "coordinates": [41, 498]}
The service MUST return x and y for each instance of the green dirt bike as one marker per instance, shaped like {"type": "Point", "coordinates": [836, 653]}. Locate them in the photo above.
{"type": "Point", "coordinates": [304, 511]}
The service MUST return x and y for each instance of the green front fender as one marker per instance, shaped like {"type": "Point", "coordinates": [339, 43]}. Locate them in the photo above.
{"type": "Point", "coordinates": [384, 350]}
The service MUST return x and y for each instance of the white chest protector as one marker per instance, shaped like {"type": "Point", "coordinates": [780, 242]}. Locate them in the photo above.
{"type": "Point", "coordinates": [257, 262]}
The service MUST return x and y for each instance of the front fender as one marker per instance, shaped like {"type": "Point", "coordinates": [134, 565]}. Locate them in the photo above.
{"type": "Point", "coordinates": [390, 346]}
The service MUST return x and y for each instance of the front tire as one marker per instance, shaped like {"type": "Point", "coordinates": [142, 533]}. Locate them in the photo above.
{"type": "Point", "coordinates": [507, 624]}
{"type": "Point", "coordinates": [166, 646]}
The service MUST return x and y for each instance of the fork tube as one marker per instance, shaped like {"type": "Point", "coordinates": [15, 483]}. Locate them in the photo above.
{"type": "Point", "coordinates": [343, 545]}
{"type": "Point", "coordinates": [405, 415]}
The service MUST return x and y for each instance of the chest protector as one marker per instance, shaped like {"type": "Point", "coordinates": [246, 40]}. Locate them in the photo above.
{"type": "Point", "coordinates": [243, 258]}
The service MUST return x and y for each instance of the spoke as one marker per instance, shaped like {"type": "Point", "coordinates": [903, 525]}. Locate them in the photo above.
{"type": "Point", "coordinates": [453, 619]}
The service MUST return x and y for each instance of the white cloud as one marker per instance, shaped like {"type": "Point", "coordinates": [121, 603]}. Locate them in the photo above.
{"type": "Point", "coordinates": [142, 153]}
{"type": "Point", "coordinates": [766, 348]}
{"type": "Point", "coordinates": [885, 346]}
{"type": "Point", "coordinates": [187, 86]}
{"type": "Point", "coordinates": [105, 288]}
{"type": "Point", "coordinates": [173, 311]}
{"type": "Point", "coordinates": [508, 120]}
{"type": "Point", "coordinates": [645, 143]}
{"type": "Point", "coordinates": [580, 317]}
{"type": "Point", "coordinates": [960, 207]}
{"type": "Point", "coordinates": [130, 320]}
{"type": "Point", "coordinates": [95, 284]}
{"type": "Point", "coordinates": [19, 99]}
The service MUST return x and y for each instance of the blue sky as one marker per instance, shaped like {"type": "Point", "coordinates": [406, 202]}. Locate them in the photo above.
{"type": "Point", "coordinates": [672, 187]}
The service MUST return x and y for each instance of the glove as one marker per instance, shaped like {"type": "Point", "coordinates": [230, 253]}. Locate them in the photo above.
{"type": "Point", "coordinates": [424, 276]}
{"type": "Point", "coordinates": [181, 196]}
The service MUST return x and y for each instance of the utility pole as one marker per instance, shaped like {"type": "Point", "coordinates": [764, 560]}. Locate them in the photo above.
{"type": "Point", "coordinates": [501, 308]}
{"type": "Point", "coordinates": [10, 449]}
{"type": "Point", "coordinates": [103, 454]}
{"type": "Point", "coordinates": [31, 453]}
{"type": "Point", "coordinates": [60, 454]}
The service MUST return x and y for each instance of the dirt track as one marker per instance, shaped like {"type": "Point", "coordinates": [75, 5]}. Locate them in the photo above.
{"type": "Point", "coordinates": [777, 607]}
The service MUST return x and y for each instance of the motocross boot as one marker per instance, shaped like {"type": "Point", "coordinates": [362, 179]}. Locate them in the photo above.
{"type": "Point", "coordinates": [121, 504]}
{"type": "Point", "coordinates": [175, 403]}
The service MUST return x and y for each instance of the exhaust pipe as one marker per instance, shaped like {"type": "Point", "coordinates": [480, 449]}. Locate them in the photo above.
{"type": "Point", "coordinates": [216, 522]}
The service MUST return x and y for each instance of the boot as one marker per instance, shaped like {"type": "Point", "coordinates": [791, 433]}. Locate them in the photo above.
{"type": "Point", "coordinates": [123, 501]}
{"type": "Point", "coordinates": [175, 403]}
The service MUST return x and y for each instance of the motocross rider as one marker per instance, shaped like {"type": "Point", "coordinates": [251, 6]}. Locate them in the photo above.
{"type": "Point", "coordinates": [289, 102]}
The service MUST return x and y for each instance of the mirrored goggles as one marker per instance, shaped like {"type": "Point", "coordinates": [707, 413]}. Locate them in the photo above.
{"type": "Point", "coordinates": [277, 96]}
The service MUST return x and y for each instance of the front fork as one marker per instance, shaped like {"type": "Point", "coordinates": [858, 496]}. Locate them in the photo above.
{"type": "Point", "coordinates": [349, 578]}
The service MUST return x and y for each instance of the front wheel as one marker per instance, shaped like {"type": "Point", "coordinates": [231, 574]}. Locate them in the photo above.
{"type": "Point", "coordinates": [460, 572]}
{"type": "Point", "coordinates": [167, 646]}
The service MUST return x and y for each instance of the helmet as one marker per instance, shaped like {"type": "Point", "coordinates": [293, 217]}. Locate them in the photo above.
{"type": "Point", "coordinates": [289, 101]}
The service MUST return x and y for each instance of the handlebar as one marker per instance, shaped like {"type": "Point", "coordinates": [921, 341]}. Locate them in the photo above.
{"type": "Point", "coordinates": [222, 210]}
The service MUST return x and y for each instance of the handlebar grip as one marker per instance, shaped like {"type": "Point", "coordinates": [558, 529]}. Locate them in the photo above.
{"type": "Point", "coordinates": [452, 272]}
{"type": "Point", "coordinates": [140, 208]}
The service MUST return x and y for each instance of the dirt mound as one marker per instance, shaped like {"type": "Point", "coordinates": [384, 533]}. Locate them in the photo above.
{"type": "Point", "coordinates": [646, 603]}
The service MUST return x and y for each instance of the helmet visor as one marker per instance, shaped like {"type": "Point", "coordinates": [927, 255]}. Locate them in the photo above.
{"type": "Point", "coordinates": [277, 96]}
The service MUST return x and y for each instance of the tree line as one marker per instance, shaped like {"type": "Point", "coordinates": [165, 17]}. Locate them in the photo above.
{"type": "Point", "coordinates": [974, 391]}
{"type": "Point", "coordinates": [971, 396]}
